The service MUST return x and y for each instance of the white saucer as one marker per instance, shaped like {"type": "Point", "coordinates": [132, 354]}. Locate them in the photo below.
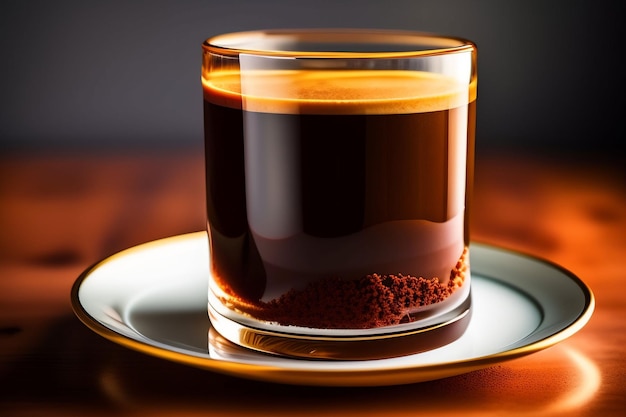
{"type": "Point", "coordinates": [153, 298]}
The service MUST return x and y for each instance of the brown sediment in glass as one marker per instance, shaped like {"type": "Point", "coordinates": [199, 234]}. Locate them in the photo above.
{"type": "Point", "coordinates": [374, 300]}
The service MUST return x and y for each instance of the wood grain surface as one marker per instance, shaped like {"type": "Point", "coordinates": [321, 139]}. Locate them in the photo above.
{"type": "Point", "coordinates": [59, 213]}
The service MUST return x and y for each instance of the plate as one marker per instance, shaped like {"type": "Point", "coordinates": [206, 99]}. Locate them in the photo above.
{"type": "Point", "coordinates": [153, 298]}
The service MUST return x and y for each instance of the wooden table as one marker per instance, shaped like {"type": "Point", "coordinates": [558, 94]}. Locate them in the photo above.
{"type": "Point", "coordinates": [59, 213]}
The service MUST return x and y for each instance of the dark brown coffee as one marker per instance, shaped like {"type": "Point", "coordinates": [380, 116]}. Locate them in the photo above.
{"type": "Point", "coordinates": [324, 188]}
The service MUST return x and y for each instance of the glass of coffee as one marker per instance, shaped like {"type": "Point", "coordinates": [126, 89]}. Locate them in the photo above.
{"type": "Point", "coordinates": [339, 169]}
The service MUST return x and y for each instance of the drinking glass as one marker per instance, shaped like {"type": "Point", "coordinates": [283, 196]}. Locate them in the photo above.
{"type": "Point", "coordinates": [339, 168]}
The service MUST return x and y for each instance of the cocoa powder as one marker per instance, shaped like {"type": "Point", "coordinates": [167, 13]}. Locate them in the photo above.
{"type": "Point", "coordinates": [371, 301]}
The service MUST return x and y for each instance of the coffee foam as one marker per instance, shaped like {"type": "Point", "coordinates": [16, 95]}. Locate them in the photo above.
{"type": "Point", "coordinates": [337, 91]}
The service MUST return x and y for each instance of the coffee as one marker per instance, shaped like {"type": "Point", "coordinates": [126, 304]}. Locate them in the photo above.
{"type": "Point", "coordinates": [338, 188]}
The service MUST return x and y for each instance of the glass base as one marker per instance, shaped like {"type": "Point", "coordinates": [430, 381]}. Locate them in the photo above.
{"type": "Point", "coordinates": [346, 345]}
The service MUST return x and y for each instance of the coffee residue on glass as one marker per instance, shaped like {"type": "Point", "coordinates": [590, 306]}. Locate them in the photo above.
{"type": "Point", "coordinates": [371, 301]}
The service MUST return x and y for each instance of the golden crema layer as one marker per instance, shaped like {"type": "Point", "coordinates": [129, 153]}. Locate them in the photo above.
{"type": "Point", "coordinates": [337, 91]}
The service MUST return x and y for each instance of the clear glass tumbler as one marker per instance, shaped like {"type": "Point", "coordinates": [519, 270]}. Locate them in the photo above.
{"type": "Point", "coordinates": [339, 168]}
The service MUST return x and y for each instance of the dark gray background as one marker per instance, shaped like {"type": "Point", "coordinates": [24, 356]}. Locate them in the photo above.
{"type": "Point", "coordinates": [125, 74]}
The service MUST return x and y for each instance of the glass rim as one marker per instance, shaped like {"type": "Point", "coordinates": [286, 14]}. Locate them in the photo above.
{"type": "Point", "coordinates": [414, 43]}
